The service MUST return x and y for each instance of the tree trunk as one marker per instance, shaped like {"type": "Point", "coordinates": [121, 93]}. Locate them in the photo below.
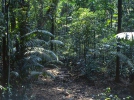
{"type": "Point", "coordinates": [5, 46]}
{"type": "Point", "coordinates": [52, 31]}
{"type": "Point", "coordinates": [117, 78]}
{"type": "Point", "coordinates": [5, 67]}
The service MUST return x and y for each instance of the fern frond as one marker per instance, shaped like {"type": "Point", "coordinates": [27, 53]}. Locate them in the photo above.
{"type": "Point", "coordinates": [56, 42]}
{"type": "Point", "coordinates": [40, 54]}
{"type": "Point", "coordinates": [44, 32]}
{"type": "Point", "coordinates": [52, 54]}
{"type": "Point", "coordinates": [37, 73]}
{"type": "Point", "coordinates": [50, 74]}
{"type": "Point", "coordinates": [33, 73]}
{"type": "Point", "coordinates": [37, 49]}
{"type": "Point", "coordinates": [130, 64]}
{"type": "Point", "coordinates": [14, 73]}
{"type": "Point", "coordinates": [51, 66]}
{"type": "Point", "coordinates": [33, 58]}
{"type": "Point", "coordinates": [124, 58]}
{"type": "Point", "coordinates": [35, 42]}
{"type": "Point", "coordinates": [32, 65]}
{"type": "Point", "coordinates": [55, 62]}
{"type": "Point", "coordinates": [31, 62]}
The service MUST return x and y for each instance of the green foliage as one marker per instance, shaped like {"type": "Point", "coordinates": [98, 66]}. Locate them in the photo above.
{"type": "Point", "coordinates": [107, 95]}
{"type": "Point", "coordinates": [36, 57]}
{"type": "Point", "coordinates": [86, 27]}
{"type": "Point", "coordinates": [94, 28]}
{"type": "Point", "coordinates": [2, 88]}
{"type": "Point", "coordinates": [92, 69]}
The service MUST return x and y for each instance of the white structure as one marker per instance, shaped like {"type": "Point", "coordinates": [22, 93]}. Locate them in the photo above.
{"type": "Point", "coordinates": [125, 35]}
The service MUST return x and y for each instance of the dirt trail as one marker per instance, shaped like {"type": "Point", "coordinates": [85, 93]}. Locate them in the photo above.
{"type": "Point", "coordinates": [69, 87]}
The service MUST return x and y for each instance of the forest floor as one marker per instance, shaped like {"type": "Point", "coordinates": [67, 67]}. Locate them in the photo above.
{"type": "Point", "coordinates": [67, 86]}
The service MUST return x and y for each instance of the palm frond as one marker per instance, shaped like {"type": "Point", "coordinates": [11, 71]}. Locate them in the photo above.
{"type": "Point", "coordinates": [44, 32]}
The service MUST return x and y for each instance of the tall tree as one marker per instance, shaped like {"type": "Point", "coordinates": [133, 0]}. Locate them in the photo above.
{"type": "Point", "coordinates": [117, 78]}
{"type": "Point", "coordinates": [52, 11]}
{"type": "Point", "coordinates": [5, 8]}
{"type": "Point", "coordinates": [5, 46]}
